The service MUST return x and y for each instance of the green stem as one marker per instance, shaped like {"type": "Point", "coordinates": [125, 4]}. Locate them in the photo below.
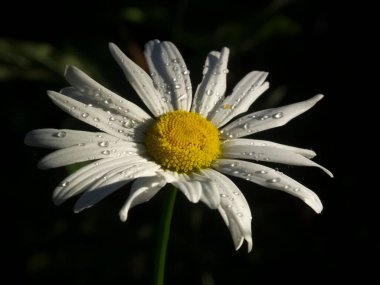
{"type": "Point", "coordinates": [163, 236]}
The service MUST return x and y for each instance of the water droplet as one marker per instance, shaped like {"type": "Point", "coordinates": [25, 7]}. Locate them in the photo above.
{"type": "Point", "coordinates": [64, 184]}
{"type": "Point", "coordinates": [177, 86]}
{"type": "Point", "coordinates": [111, 118]}
{"type": "Point", "coordinates": [261, 172]}
{"type": "Point", "coordinates": [274, 180]}
{"type": "Point", "coordinates": [89, 105]}
{"type": "Point", "coordinates": [99, 136]}
{"type": "Point", "coordinates": [103, 144]}
{"type": "Point", "coordinates": [96, 119]}
{"type": "Point", "coordinates": [106, 152]}
{"type": "Point", "coordinates": [286, 187]}
{"type": "Point", "coordinates": [175, 60]}
{"type": "Point", "coordinates": [153, 74]}
{"type": "Point", "coordinates": [107, 102]}
{"type": "Point", "coordinates": [233, 164]}
{"type": "Point", "coordinates": [223, 195]}
{"type": "Point", "coordinates": [236, 193]}
{"type": "Point", "coordinates": [60, 134]}
{"type": "Point", "coordinates": [278, 115]}
{"type": "Point", "coordinates": [296, 189]}
{"type": "Point", "coordinates": [188, 88]}
{"type": "Point", "coordinates": [186, 72]}
{"type": "Point", "coordinates": [84, 115]}
{"type": "Point", "coordinates": [225, 71]}
{"type": "Point", "coordinates": [209, 92]}
{"type": "Point", "coordinates": [81, 144]}
{"type": "Point", "coordinates": [239, 214]}
{"type": "Point", "coordinates": [235, 172]}
{"type": "Point", "coordinates": [229, 206]}
{"type": "Point", "coordinates": [245, 126]}
{"type": "Point", "coordinates": [120, 131]}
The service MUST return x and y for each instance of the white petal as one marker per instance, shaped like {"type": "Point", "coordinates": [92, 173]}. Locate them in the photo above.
{"type": "Point", "coordinates": [210, 195]}
{"type": "Point", "coordinates": [96, 94]}
{"type": "Point", "coordinates": [96, 117]}
{"type": "Point", "coordinates": [62, 138]}
{"type": "Point", "coordinates": [246, 142]}
{"type": "Point", "coordinates": [233, 208]}
{"type": "Point", "coordinates": [141, 82]}
{"type": "Point", "coordinates": [267, 119]}
{"type": "Point", "coordinates": [242, 97]}
{"type": "Point", "coordinates": [86, 176]}
{"type": "Point", "coordinates": [170, 74]}
{"type": "Point", "coordinates": [90, 151]}
{"type": "Point", "coordinates": [269, 178]}
{"type": "Point", "coordinates": [102, 188]}
{"type": "Point", "coordinates": [268, 153]}
{"type": "Point", "coordinates": [142, 190]}
{"type": "Point", "coordinates": [189, 186]}
{"type": "Point", "coordinates": [213, 86]}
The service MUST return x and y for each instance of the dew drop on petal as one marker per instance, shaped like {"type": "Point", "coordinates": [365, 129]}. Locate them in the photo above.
{"type": "Point", "coordinates": [84, 115]}
{"type": "Point", "coordinates": [223, 195]}
{"type": "Point", "coordinates": [103, 144]}
{"type": "Point", "coordinates": [177, 86]}
{"type": "Point", "coordinates": [261, 172]}
{"type": "Point", "coordinates": [209, 92]}
{"type": "Point", "coordinates": [64, 184]}
{"type": "Point", "coordinates": [274, 180]}
{"type": "Point", "coordinates": [239, 214]}
{"type": "Point", "coordinates": [111, 118]}
{"type": "Point", "coordinates": [278, 115]}
{"type": "Point", "coordinates": [106, 152]}
{"type": "Point", "coordinates": [60, 134]}
{"type": "Point", "coordinates": [185, 72]}
{"type": "Point", "coordinates": [96, 119]}
{"type": "Point", "coordinates": [296, 189]}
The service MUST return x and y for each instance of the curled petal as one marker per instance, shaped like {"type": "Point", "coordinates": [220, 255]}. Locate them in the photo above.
{"type": "Point", "coordinates": [141, 82]}
{"type": "Point", "coordinates": [170, 74]}
{"type": "Point", "coordinates": [213, 85]}
{"type": "Point", "coordinates": [142, 190]}
{"type": "Point", "coordinates": [269, 178]}
{"type": "Point", "coordinates": [233, 208]}
{"type": "Point", "coordinates": [243, 95]}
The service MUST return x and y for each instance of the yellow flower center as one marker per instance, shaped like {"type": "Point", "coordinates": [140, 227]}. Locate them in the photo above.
{"type": "Point", "coordinates": [183, 142]}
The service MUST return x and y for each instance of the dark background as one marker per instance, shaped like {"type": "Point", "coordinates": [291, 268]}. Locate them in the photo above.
{"type": "Point", "coordinates": [309, 47]}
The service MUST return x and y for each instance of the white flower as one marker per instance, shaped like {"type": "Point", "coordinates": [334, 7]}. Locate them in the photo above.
{"type": "Point", "coordinates": [188, 142]}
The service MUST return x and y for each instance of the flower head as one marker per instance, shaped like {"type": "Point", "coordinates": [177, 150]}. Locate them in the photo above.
{"type": "Point", "coordinates": [188, 142]}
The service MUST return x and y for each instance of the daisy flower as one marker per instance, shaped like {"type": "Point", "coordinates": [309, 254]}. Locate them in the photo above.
{"type": "Point", "coordinates": [188, 141]}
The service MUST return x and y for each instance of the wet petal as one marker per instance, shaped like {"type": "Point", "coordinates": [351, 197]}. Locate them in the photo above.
{"type": "Point", "coordinates": [90, 151]}
{"type": "Point", "coordinates": [142, 190]}
{"type": "Point", "coordinates": [269, 178]}
{"type": "Point", "coordinates": [88, 91]}
{"type": "Point", "coordinates": [62, 138]}
{"type": "Point", "coordinates": [267, 119]}
{"type": "Point", "coordinates": [113, 181]}
{"type": "Point", "coordinates": [243, 95]}
{"type": "Point", "coordinates": [253, 142]}
{"type": "Point", "coordinates": [141, 82]}
{"type": "Point", "coordinates": [213, 86]}
{"type": "Point", "coordinates": [86, 176]}
{"type": "Point", "coordinates": [268, 153]}
{"type": "Point", "coordinates": [170, 74]}
{"type": "Point", "coordinates": [95, 117]}
{"type": "Point", "coordinates": [233, 208]}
